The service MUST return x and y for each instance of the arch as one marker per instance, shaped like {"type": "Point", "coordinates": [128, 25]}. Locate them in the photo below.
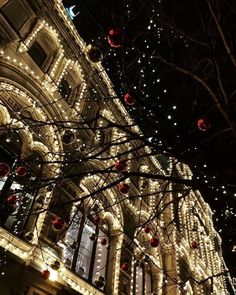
{"type": "Point", "coordinates": [73, 74]}
{"type": "Point", "coordinates": [88, 183]}
{"type": "Point", "coordinates": [28, 143]}
{"type": "Point", "coordinates": [116, 221]}
{"type": "Point", "coordinates": [40, 27]}
{"type": "Point", "coordinates": [43, 46]}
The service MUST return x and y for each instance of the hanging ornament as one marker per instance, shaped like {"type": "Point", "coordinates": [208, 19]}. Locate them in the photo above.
{"type": "Point", "coordinates": [97, 219]}
{"type": "Point", "coordinates": [4, 169]}
{"type": "Point", "coordinates": [93, 237]}
{"type": "Point", "coordinates": [195, 245]}
{"type": "Point", "coordinates": [147, 229]}
{"type": "Point", "coordinates": [123, 188]}
{"type": "Point", "coordinates": [45, 274]}
{"type": "Point", "coordinates": [120, 165]}
{"type": "Point", "coordinates": [125, 266]}
{"type": "Point", "coordinates": [129, 99]}
{"type": "Point", "coordinates": [29, 236]}
{"type": "Point", "coordinates": [73, 245]}
{"type": "Point", "coordinates": [21, 171]}
{"type": "Point", "coordinates": [68, 137]}
{"type": "Point", "coordinates": [83, 148]}
{"type": "Point", "coordinates": [11, 200]}
{"type": "Point", "coordinates": [103, 242]}
{"type": "Point", "coordinates": [154, 242]}
{"type": "Point", "coordinates": [116, 37]}
{"type": "Point", "coordinates": [58, 224]}
{"type": "Point", "coordinates": [94, 53]}
{"type": "Point", "coordinates": [81, 271]}
{"type": "Point", "coordinates": [99, 282]}
{"type": "Point", "coordinates": [203, 124]}
{"type": "Point", "coordinates": [55, 265]}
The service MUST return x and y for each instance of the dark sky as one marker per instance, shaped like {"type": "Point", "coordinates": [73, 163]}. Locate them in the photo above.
{"type": "Point", "coordinates": [211, 153]}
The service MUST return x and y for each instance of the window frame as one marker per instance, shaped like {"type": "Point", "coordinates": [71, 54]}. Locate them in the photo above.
{"type": "Point", "coordinates": [27, 18]}
{"type": "Point", "coordinates": [76, 252]}
{"type": "Point", "coordinates": [50, 53]}
{"type": "Point", "coordinates": [7, 190]}
{"type": "Point", "coordinates": [143, 266]}
{"type": "Point", "coordinates": [39, 48]}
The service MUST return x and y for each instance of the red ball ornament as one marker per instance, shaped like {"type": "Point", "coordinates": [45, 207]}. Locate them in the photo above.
{"type": "Point", "coordinates": [58, 224]}
{"type": "Point", "coordinates": [11, 200]}
{"type": "Point", "coordinates": [116, 37]}
{"type": "Point", "coordinates": [97, 220]}
{"type": "Point", "coordinates": [21, 171]}
{"type": "Point", "coordinates": [45, 274]}
{"type": "Point", "coordinates": [129, 99]}
{"type": "Point", "coordinates": [120, 166]}
{"type": "Point", "coordinates": [154, 242]}
{"type": "Point", "coordinates": [123, 188]}
{"type": "Point", "coordinates": [4, 169]}
{"type": "Point", "coordinates": [146, 229]}
{"type": "Point", "coordinates": [103, 242]}
{"type": "Point", "coordinates": [203, 124]}
{"type": "Point", "coordinates": [195, 245]}
{"type": "Point", "coordinates": [125, 266]}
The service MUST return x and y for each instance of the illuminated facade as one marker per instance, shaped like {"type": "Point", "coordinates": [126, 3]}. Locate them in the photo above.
{"type": "Point", "coordinates": [48, 87]}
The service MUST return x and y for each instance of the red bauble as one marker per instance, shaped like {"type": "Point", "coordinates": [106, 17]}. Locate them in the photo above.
{"type": "Point", "coordinates": [125, 266]}
{"type": "Point", "coordinates": [4, 169]}
{"type": "Point", "coordinates": [154, 242]}
{"type": "Point", "coordinates": [45, 274]}
{"type": "Point", "coordinates": [120, 166]}
{"type": "Point", "coordinates": [129, 99]}
{"type": "Point", "coordinates": [116, 37]}
{"type": "Point", "coordinates": [146, 229]}
{"type": "Point", "coordinates": [195, 245]}
{"type": "Point", "coordinates": [203, 124]}
{"type": "Point", "coordinates": [97, 219]}
{"type": "Point", "coordinates": [123, 188]}
{"type": "Point", "coordinates": [21, 171]}
{"type": "Point", "coordinates": [11, 200]}
{"type": "Point", "coordinates": [103, 242]}
{"type": "Point", "coordinates": [58, 224]}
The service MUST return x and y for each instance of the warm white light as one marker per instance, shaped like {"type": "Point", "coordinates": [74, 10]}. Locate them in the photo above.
{"type": "Point", "coordinates": [53, 275]}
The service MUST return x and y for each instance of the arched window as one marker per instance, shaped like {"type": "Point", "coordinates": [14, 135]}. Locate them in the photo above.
{"type": "Point", "coordinates": [43, 50]}
{"type": "Point", "coordinates": [38, 54]}
{"type": "Point", "coordinates": [16, 185]}
{"type": "Point", "coordinates": [142, 279]}
{"type": "Point", "coordinates": [86, 250]}
{"type": "Point", "coordinates": [65, 89]}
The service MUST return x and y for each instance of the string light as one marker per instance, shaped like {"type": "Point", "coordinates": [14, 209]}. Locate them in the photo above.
{"type": "Point", "coordinates": [186, 215]}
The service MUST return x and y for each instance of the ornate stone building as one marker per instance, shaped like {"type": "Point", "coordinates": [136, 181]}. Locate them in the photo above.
{"type": "Point", "coordinates": [61, 130]}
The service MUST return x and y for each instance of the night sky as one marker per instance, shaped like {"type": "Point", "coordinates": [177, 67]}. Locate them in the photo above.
{"type": "Point", "coordinates": [158, 35]}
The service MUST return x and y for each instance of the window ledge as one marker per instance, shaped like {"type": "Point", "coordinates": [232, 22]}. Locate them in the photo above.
{"type": "Point", "coordinates": [33, 255]}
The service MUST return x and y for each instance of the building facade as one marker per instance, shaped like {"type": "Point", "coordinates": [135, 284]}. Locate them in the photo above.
{"type": "Point", "coordinates": [71, 221]}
